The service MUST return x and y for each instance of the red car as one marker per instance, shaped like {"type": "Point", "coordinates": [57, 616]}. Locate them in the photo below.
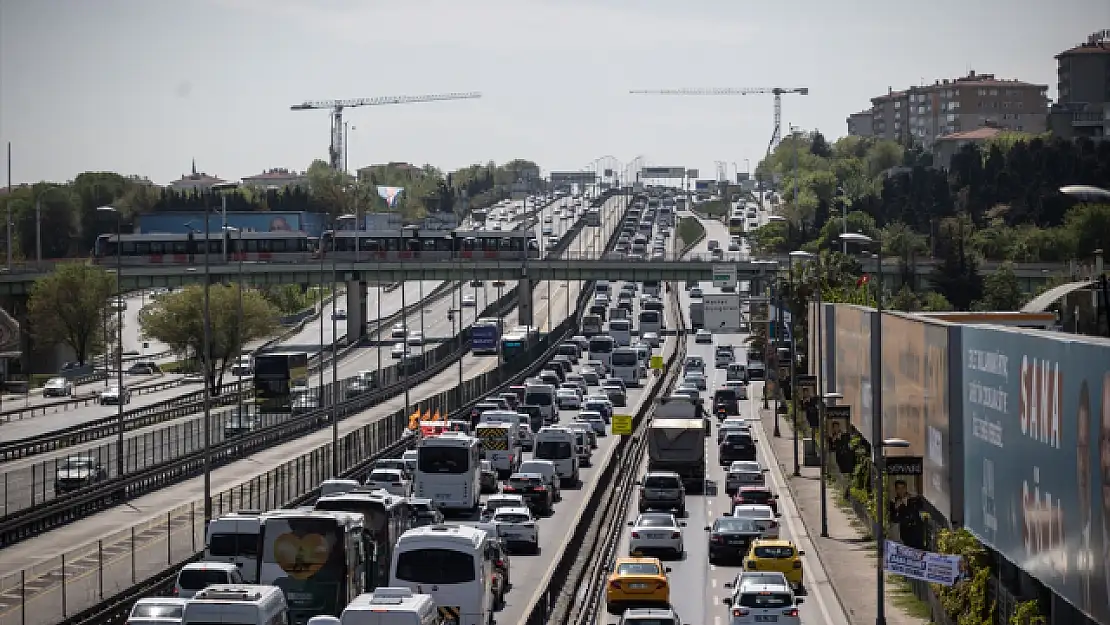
{"type": "Point", "coordinates": [756, 495]}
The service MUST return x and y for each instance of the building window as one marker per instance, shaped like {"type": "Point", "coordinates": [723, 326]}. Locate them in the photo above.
{"type": "Point", "coordinates": [982, 92]}
{"type": "Point", "coordinates": [994, 92]}
{"type": "Point", "coordinates": [951, 117]}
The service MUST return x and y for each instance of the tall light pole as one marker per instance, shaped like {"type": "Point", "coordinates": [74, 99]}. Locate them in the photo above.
{"type": "Point", "coordinates": [877, 442]}
{"type": "Point", "coordinates": [239, 253]}
{"type": "Point", "coordinates": [796, 255]}
{"type": "Point", "coordinates": [335, 392]}
{"type": "Point", "coordinates": [120, 466]}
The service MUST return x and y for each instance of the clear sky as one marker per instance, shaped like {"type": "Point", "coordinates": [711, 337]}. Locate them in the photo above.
{"type": "Point", "coordinates": [145, 86]}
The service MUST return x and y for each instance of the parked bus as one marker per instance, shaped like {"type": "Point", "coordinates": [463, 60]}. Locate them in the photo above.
{"type": "Point", "coordinates": [315, 558]}
{"type": "Point", "coordinates": [275, 375]}
{"type": "Point", "coordinates": [385, 518]}
{"type": "Point", "coordinates": [448, 471]}
{"type": "Point", "coordinates": [627, 366]}
{"type": "Point", "coordinates": [453, 564]}
{"type": "Point", "coordinates": [601, 348]}
{"type": "Point", "coordinates": [485, 336]}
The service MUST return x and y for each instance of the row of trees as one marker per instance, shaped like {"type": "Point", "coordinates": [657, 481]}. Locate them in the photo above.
{"type": "Point", "coordinates": [67, 213]}
{"type": "Point", "coordinates": [1000, 201]}
{"type": "Point", "coordinates": [72, 307]}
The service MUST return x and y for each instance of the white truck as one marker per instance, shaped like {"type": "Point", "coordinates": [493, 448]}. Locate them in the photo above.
{"type": "Point", "coordinates": [499, 433]}
{"type": "Point", "coordinates": [558, 445]}
{"type": "Point", "coordinates": [676, 440]}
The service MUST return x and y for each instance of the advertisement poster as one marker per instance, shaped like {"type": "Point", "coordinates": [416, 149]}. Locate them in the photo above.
{"type": "Point", "coordinates": [904, 503]}
{"type": "Point", "coordinates": [838, 422]}
{"type": "Point", "coordinates": [935, 568]}
{"type": "Point", "coordinates": [1037, 457]}
{"type": "Point", "coordinates": [306, 558]}
{"type": "Point", "coordinates": [915, 396]}
{"type": "Point", "coordinates": [184, 222]}
{"type": "Point", "coordinates": [853, 363]}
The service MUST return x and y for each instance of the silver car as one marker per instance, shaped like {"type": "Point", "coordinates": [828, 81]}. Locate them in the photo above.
{"type": "Point", "coordinates": [656, 532]}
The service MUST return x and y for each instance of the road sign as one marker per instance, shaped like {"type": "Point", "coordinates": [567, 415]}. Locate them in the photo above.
{"type": "Point", "coordinates": [724, 275]}
{"type": "Point", "coordinates": [647, 173]}
{"type": "Point", "coordinates": [722, 312]}
{"type": "Point", "coordinates": [622, 424]}
{"type": "Point", "coordinates": [656, 362]}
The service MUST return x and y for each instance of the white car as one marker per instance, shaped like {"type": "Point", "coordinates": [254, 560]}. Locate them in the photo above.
{"type": "Point", "coordinates": [703, 336]}
{"type": "Point", "coordinates": [113, 395]}
{"type": "Point", "coordinates": [415, 339]}
{"type": "Point", "coordinates": [57, 387]}
{"type": "Point", "coordinates": [393, 481]}
{"type": "Point", "coordinates": [695, 379]}
{"type": "Point", "coordinates": [764, 516]}
{"type": "Point", "coordinates": [517, 528]}
{"type": "Point", "coordinates": [593, 419]}
{"type": "Point", "coordinates": [399, 350]}
{"type": "Point", "coordinates": [590, 375]}
{"type": "Point", "coordinates": [469, 301]}
{"type": "Point", "coordinates": [496, 502]}
{"type": "Point", "coordinates": [696, 292]}
{"type": "Point", "coordinates": [651, 339]}
{"type": "Point", "coordinates": [739, 386]}
{"type": "Point", "coordinates": [656, 532]}
{"type": "Point", "coordinates": [568, 399]}
{"type": "Point", "coordinates": [399, 331]}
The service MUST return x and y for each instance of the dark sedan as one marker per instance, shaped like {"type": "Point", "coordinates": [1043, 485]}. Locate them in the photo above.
{"type": "Point", "coordinates": [731, 537]}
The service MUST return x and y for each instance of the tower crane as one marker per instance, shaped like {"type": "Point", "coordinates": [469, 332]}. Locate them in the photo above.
{"type": "Point", "coordinates": [335, 150]}
{"type": "Point", "coordinates": [776, 134]}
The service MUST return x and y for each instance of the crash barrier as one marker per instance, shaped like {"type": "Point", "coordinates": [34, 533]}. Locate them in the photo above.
{"type": "Point", "coordinates": [598, 528]}
{"type": "Point", "coordinates": [180, 534]}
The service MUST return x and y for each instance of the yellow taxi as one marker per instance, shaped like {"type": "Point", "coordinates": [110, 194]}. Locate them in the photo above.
{"type": "Point", "coordinates": [775, 555]}
{"type": "Point", "coordinates": [637, 583]}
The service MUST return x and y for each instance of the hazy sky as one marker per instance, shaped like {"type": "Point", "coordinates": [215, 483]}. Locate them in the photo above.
{"type": "Point", "coordinates": [145, 86]}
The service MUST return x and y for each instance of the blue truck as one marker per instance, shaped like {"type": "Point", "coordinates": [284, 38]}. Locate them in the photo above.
{"type": "Point", "coordinates": [485, 337]}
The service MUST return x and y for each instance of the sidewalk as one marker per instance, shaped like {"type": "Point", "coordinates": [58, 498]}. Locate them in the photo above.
{"type": "Point", "coordinates": [849, 560]}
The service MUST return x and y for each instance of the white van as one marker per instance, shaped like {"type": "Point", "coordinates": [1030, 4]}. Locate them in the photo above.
{"type": "Point", "coordinates": [558, 446]}
{"type": "Point", "coordinates": [157, 611]}
{"type": "Point", "coordinates": [196, 576]}
{"type": "Point", "coordinates": [233, 539]}
{"type": "Point", "coordinates": [621, 331]}
{"type": "Point", "coordinates": [245, 604]}
{"type": "Point", "coordinates": [391, 606]}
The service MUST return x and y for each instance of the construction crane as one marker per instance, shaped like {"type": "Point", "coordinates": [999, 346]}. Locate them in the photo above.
{"type": "Point", "coordinates": [776, 134]}
{"type": "Point", "coordinates": [336, 153]}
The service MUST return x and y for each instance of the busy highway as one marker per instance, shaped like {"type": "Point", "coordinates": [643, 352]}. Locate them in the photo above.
{"type": "Point", "coordinates": [550, 304]}
{"type": "Point", "coordinates": [30, 481]}
{"type": "Point", "coordinates": [698, 588]}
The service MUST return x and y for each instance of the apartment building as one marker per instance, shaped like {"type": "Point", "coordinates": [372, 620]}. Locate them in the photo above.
{"type": "Point", "coordinates": [195, 181]}
{"type": "Point", "coordinates": [949, 106]}
{"type": "Point", "coordinates": [860, 124]}
{"type": "Point", "coordinates": [277, 178]}
{"type": "Point", "coordinates": [1083, 82]}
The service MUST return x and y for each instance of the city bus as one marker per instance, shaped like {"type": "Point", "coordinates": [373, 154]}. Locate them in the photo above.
{"type": "Point", "coordinates": [275, 375]}
{"type": "Point", "coordinates": [621, 331]}
{"type": "Point", "coordinates": [452, 563]}
{"type": "Point", "coordinates": [385, 518]}
{"type": "Point", "coordinates": [651, 321]}
{"type": "Point", "coordinates": [485, 336]}
{"type": "Point", "coordinates": [516, 342]}
{"type": "Point", "coordinates": [627, 366]}
{"type": "Point", "coordinates": [449, 471]}
{"type": "Point", "coordinates": [315, 558]}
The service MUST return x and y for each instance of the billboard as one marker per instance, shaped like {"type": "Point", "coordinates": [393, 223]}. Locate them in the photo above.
{"type": "Point", "coordinates": [663, 172]}
{"type": "Point", "coordinates": [1037, 457]}
{"type": "Point", "coordinates": [852, 371]}
{"type": "Point", "coordinates": [915, 397]}
{"type": "Point", "coordinates": [248, 221]}
{"type": "Point", "coordinates": [573, 177]}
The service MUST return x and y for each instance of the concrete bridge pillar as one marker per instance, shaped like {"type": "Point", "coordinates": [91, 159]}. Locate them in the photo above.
{"type": "Point", "coordinates": [356, 311]}
{"type": "Point", "coordinates": [524, 302]}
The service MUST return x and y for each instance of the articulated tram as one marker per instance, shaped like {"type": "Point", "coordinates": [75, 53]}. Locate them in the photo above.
{"type": "Point", "coordinates": [298, 247]}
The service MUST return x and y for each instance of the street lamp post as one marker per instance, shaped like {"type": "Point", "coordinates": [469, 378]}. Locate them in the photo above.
{"type": "Point", "coordinates": [335, 392]}
{"type": "Point", "coordinates": [120, 465]}
{"type": "Point", "coordinates": [877, 422]}
{"type": "Point", "coordinates": [239, 311]}
{"type": "Point", "coordinates": [824, 405]}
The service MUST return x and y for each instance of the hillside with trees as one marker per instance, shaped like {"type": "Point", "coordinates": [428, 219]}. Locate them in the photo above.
{"type": "Point", "coordinates": [67, 211]}
{"type": "Point", "coordinates": [999, 201]}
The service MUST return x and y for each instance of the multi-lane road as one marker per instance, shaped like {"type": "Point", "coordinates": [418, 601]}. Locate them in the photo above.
{"type": "Point", "coordinates": [26, 482]}
{"type": "Point", "coordinates": [698, 587]}
{"type": "Point", "coordinates": [40, 556]}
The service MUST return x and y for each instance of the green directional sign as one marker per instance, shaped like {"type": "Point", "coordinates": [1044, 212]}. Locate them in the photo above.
{"type": "Point", "coordinates": [724, 275]}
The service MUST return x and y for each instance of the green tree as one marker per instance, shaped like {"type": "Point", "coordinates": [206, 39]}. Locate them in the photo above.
{"type": "Point", "coordinates": [1089, 225]}
{"type": "Point", "coordinates": [68, 306]}
{"type": "Point", "coordinates": [957, 276]}
{"type": "Point", "coordinates": [1001, 290]}
{"type": "Point", "coordinates": [177, 320]}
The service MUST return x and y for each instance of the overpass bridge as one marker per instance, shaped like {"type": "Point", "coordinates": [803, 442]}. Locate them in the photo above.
{"type": "Point", "coordinates": [571, 265]}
